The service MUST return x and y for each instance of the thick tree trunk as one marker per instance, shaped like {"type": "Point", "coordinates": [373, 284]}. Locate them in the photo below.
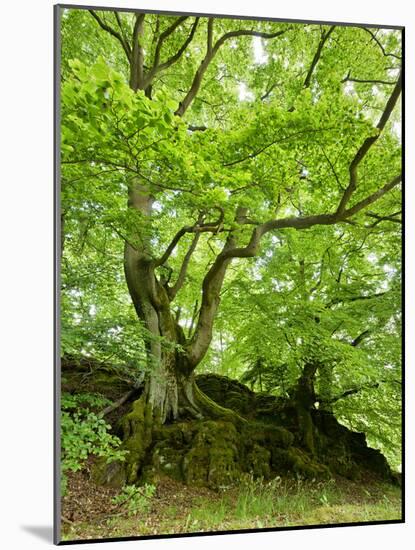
{"type": "Point", "coordinates": [169, 379]}
{"type": "Point", "coordinates": [170, 388]}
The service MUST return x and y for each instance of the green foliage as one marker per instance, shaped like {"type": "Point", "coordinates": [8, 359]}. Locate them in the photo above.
{"type": "Point", "coordinates": [137, 499]}
{"type": "Point", "coordinates": [282, 150]}
{"type": "Point", "coordinates": [85, 433]}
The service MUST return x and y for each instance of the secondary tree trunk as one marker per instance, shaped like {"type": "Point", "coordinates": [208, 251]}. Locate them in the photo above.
{"type": "Point", "coordinates": [304, 398]}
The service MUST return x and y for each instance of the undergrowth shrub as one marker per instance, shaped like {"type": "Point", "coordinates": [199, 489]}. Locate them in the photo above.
{"type": "Point", "coordinates": [137, 499]}
{"type": "Point", "coordinates": [84, 432]}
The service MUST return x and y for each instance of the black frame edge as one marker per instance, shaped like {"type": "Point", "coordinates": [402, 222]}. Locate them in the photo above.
{"type": "Point", "coordinates": [229, 16]}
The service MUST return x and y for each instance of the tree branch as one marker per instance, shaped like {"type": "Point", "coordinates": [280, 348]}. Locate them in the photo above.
{"type": "Point", "coordinates": [118, 19]}
{"type": "Point", "coordinates": [317, 55]}
{"type": "Point", "coordinates": [379, 218]}
{"type": "Point", "coordinates": [355, 298]}
{"type": "Point", "coordinates": [157, 66]}
{"type": "Point", "coordinates": [165, 34]}
{"type": "Point", "coordinates": [300, 222]}
{"type": "Point", "coordinates": [193, 128]}
{"type": "Point", "coordinates": [137, 56]}
{"type": "Point", "coordinates": [210, 54]}
{"type": "Point", "coordinates": [172, 291]}
{"type": "Point", "coordinates": [350, 392]}
{"type": "Point", "coordinates": [212, 284]}
{"type": "Point", "coordinates": [359, 339]}
{"type": "Point", "coordinates": [367, 144]}
{"type": "Point", "coordinates": [113, 33]}
{"type": "Point", "coordinates": [198, 227]}
{"type": "Point", "coordinates": [125, 397]}
{"type": "Point", "coordinates": [372, 198]}
{"type": "Point", "coordinates": [275, 142]}
{"type": "Point", "coordinates": [210, 34]}
{"type": "Point", "coordinates": [269, 91]}
{"type": "Point", "coordinates": [215, 276]}
{"type": "Point", "coordinates": [331, 167]}
{"type": "Point", "coordinates": [348, 78]}
{"type": "Point", "coordinates": [386, 54]}
{"type": "Point", "coordinates": [311, 70]}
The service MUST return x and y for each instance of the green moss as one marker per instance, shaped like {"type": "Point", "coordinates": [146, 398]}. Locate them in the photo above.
{"type": "Point", "coordinates": [178, 434]}
{"type": "Point", "coordinates": [167, 460]}
{"type": "Point", "coordinates": [211, 409]}
{"type": "Point", "coordinates": [110, 475]}
{"type": "Point", "coordinates": [218, 451]}
{"type": "Point", "coordinates": [258, 462]}
{"type": "Point", "coordinates": [213, 457]}
{"type": "Point", "coordinates": [229, 394]}
{"type": "Point", "coordinates": [267, 435]}
{"type": "Point", "coordinates": [137, 429]}
{"type": "Point", "coordinates": [298, 462]}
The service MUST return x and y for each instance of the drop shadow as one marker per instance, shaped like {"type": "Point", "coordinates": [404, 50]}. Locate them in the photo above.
{"type": "Point", "coordinates": [43, 532]}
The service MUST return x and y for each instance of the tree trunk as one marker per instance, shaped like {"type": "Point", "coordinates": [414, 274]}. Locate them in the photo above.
{"type": "Point", "coordinates": [171, 359]}
{"type": "Point", "coordinates": [169, 378]}
{"type": "Point", "coordinates": [304, 398]}
{"type": "Point", "coordinates": [326, 387]}
{"type": "Point", "coordinates": [168, 381]}
{"type": "Point", "coordinates": [170, 388]}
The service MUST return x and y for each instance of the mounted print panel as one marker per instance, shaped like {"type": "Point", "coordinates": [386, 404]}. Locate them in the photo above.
{"type": "Point", "coordinates": [228, 226]}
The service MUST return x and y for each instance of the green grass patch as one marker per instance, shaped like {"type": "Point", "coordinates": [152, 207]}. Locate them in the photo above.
{"type": "Point", "coordinates": [253, 505]}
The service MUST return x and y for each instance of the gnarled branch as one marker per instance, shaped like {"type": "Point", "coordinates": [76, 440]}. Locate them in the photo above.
{"type": "Point", "coordinates": [198, 227]}
{"type": "Point", "coordinates": [213, 280]}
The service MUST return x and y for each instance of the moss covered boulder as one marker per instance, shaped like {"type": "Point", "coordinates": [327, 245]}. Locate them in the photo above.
{"type": "Point", "coordinates": [213, 459]}
{"type": "Point", "coordinates": [249, 433]}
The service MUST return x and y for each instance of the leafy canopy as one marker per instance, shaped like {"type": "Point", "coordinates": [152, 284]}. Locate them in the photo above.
{"type": "Point", "coordinates": [273, 129]}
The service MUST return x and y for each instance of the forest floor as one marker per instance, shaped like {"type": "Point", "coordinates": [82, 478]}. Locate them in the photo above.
{"type": "Point", "coordinates": [89, 512]}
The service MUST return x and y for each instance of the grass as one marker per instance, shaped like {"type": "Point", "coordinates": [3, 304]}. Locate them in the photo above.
{"type": "Point", "coordinates": [251, 505]}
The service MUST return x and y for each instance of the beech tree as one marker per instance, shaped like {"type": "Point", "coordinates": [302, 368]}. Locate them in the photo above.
{"type": "Point", "coordinates": [200, 145]}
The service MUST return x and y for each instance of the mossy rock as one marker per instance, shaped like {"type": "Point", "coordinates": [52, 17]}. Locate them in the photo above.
{"type": "Point", "coordinates": [213, 459]}
{"type": "Point", "coordinates": [246, 433]}
{"type": "Point", "coordinates": [258, 462]}
{"type": "Point", "coordinates": [227, 393]}
{"type": "Point", "coordinates": [343, 466]}
{"type": "Point", "coordinates": [178, 434]}
{"type": "Point", "coordinates": [137, 428]}
{"type": "Point", "coordinates": [347, 452]}
{"type": "Point", "coordinates": [170, 443]}
{"type": "Point", "coordinates": [110, 475]}
{"type": "Point", "coordinates": [267, 435]}
{"type": "Point", "coordinates": [92, 376]}
{"type": "Point", "coordinates": [373, 460]}
{"type": "Point", "coordinates": [298, 462]}
{"type": "Point", "coordinates": [167, 460]}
